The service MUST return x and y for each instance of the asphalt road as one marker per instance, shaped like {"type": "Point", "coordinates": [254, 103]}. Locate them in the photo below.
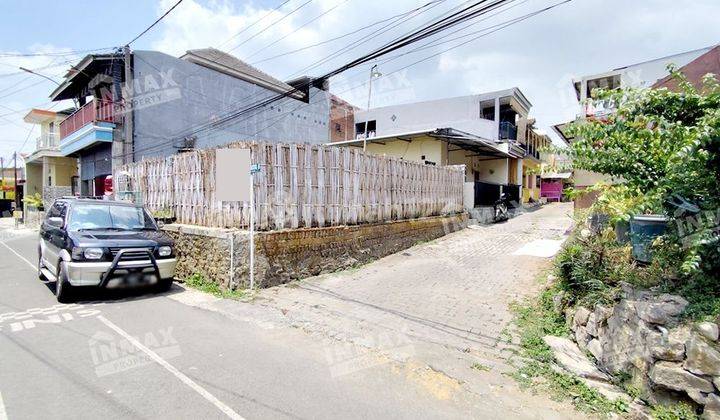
{"type": "Point", "coordinates": [145, 355]}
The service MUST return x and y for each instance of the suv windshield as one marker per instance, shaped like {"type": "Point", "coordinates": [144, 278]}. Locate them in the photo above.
{"type": "Point", "coordinates": [98, 216]}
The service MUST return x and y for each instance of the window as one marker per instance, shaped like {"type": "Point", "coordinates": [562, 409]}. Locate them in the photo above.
{"type": "Point", "coordinates": [338, 128]}
{"type": "Point", "coordinates": [98, 216]}
{"type": "Point", "coordinates": [371, 127]}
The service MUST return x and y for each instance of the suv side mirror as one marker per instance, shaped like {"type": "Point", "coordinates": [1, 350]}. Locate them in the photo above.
{"type": "Point", "coordinates": [55, 221]}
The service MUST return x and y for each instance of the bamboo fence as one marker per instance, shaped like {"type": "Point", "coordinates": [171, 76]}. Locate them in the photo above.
{"type": "Point", "coordinates": [299, 185]}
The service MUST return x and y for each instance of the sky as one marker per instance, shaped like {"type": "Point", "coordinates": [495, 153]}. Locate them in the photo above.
{"type": "Point", "coordinates": [540, 55]}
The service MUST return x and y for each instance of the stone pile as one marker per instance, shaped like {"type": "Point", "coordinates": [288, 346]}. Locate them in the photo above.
{"type": "Point", "coordinates": [642, 338]}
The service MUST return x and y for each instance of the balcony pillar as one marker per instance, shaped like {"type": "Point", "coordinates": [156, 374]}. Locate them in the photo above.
{"type": "Point", "coordinates": [497, 118]}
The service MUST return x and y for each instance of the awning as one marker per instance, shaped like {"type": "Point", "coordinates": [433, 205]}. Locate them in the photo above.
{"type": "Point", "coordinates": [556, 175]}
{"type": "Point", "coordinates": [463, 140]}
{"type": "Point", "coordinates": [79, 76]}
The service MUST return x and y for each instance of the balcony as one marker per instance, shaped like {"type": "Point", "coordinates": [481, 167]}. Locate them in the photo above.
{"type": "Point", "coordinates": [89, 125]}
{"type": "Point", "coordinates": [48, 141]}
{"type": "Point", "coordinates": [508, 131]}
{"type": "Point", "coordinates": [92, 112]}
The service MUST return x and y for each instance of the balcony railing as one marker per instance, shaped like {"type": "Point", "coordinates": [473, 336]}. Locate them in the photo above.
{"type": "Point", "coordinates": [91, 112]}
{"type": "Point", "coordinates": [47, 141]}
{"type": "Point", "coordinates": [508, 131]}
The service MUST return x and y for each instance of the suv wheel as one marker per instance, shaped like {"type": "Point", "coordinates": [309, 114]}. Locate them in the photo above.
{"type": "Point", "coordinates": [41, 276]}
{"type": "Point", "coordinates": [163, 285]}
{"type": "Point", "coordinates": [63, 289]}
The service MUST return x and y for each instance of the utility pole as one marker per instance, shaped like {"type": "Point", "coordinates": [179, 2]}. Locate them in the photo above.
{"type": "Point", "coordinates": [2, 176]}
{"type": "Point", "coordinates": [128, 154]}
{"type": "Point", "coordinates": [373, 73]}
{"type": "Point", "coordinates": [16, 188]}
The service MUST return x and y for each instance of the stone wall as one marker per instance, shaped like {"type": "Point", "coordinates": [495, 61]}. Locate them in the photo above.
{"type": "Point", "coordinates": [286, 255]}
{"type": "Point", "coordinates": [642, 337]}
{"type": "Point", "coordinates": [51, 193]}
{"type": "Point", "coordinates": [300, 253]}
{"type": "Point", "coordinates": [201, 250]}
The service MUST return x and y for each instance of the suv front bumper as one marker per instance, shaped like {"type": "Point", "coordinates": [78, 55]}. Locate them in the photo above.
{"type": "Point", "coordinates": [92, 273]}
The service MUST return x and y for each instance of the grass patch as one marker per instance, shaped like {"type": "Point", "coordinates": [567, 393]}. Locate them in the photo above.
{"type": "Point", "coordinates": [681, 411]}
{"type": "Point", "coordinates": [198, 281]}
{"type": "Point", "coordinates": [480, 367]}
{"type": "Point", "coordinates": [534, 321]}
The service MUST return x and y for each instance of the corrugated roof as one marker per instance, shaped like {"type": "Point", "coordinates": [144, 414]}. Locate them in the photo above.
{"type": "Point", "coordinates": [232, 66]}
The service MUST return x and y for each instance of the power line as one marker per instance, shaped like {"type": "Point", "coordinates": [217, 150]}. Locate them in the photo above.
{"type": "Point", "coordinates": [269, 26]}
{"type": "Point", "coordinates": [296, 29]}
{"type": "Point", "coordinates": [53, 54]}
{"type": "Point", "coordinates": [255, 22]}
{"type": "Point", "coordinates": [155, 23]}
{"type": "Point", "coordinates": [335, 38]}
{"type": "Point", "coordinates": [424, 31]}
{"type": "Point", "coordinates": [486, 32]}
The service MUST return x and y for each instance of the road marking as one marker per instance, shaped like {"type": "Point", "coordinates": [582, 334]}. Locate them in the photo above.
{"type": "Point", "coordinates": [3, 413]}
{"type": "Point", "coordinates": [181, 376]}
{"type": "Point", "coordinates": [19, 256]}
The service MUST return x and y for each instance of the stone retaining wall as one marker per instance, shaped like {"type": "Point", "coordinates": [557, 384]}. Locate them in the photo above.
{"type": "Point", "coordinates": [642, 337]}
{"type": "Point", "coordinates": [286, 255]}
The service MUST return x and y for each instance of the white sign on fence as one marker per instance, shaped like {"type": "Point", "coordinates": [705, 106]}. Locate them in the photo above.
{"type": "Point", "coordinates": [232, 167]}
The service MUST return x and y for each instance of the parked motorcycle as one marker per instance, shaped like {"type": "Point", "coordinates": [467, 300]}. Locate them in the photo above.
{"type": "Point", "coordinates": [501, 206]}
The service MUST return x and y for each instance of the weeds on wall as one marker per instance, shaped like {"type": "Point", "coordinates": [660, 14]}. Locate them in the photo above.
{"type": "Point", "coordinates": [535, 320]}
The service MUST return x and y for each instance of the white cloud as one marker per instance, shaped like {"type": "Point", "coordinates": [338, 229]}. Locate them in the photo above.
{"type": "Point", "coordinates": [539, 55]}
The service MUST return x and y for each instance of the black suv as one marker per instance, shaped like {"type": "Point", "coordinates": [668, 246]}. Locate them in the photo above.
{"type": "Point", "coordinates": [102, 243]}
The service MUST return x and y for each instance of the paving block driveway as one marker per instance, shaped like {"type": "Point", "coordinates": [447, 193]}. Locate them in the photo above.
{"type": "Point", "coordinates": [435, 309]}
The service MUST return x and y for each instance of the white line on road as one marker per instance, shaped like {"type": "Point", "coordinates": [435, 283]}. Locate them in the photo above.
{"type": "Point", "coordinates": [3, 413]}
{"type": "Point", "coordinates": [19, 256]}
{"type": "Point", "coordinates": [183, 378]}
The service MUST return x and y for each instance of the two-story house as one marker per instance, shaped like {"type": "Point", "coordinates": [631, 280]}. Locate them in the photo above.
{"type": "Point", "coordinates": [478, 131]}
{"type": "Point", "coordinates": [49, 173]}
{"type": "Point", "coordinates": [535, 142]}
{"type": "Point", "coordinates": [138, 104]}
{"type": "Point", "coordinates": [648, 74]}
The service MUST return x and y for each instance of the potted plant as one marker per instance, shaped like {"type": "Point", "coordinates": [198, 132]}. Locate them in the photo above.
{"type": "Point", "coordinates": [164, 216]}
{"type": "Point", "coordinates": [35, 202]}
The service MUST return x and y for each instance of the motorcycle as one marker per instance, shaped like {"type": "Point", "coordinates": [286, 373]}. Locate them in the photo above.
{"type": "Point", "coordinates": [501, 207]}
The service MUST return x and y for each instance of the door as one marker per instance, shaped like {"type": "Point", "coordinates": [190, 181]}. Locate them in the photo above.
{"type": "Point", "coordinates": [52, 239]}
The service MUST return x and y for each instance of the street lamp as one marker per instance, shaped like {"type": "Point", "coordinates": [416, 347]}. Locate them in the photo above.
{"type": "Point", "coordinates": [48, 78]}
{"type": "Point", "coordinates": [374, 73]}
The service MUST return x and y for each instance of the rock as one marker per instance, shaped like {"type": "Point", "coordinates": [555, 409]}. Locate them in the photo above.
{"type": "Point", "coordinates": [716, 382]}
{"type": "Point", "coordinates": [581, 316]}
{"type": "Point", "coordinates": [582, 338]}
{"type": "Point", "coordinates": [702, 358]}
{"type": "Point", "coordinates": [570, 357]}
{"type": "Point", "coordinates": [663, 309]}
{"type": "Point", "coordinates": [712, 408]}
{"type": "Point", "coordinates": [595, 348]}
{"type": "Point", "coordinates": [602, 313]}
{"type": "Point", "coordinates": [697, 396]}
{"type": "Point", "coordinates": [668, 347]}
{"type": "Point", "coordinates": [558, 302]}
{"type": "Point", "coordinates": [708, 330]}
{"type": "Point", "coordinates": [569, 313]}
{"type": "Point", "coordinates": [609, 391]}
{"type": "Point", "coordinates": [592, 326]}
{"type": "Point", "coordinates": [672, 376]}
{"type": "Point", "coordinates": [624, 343]}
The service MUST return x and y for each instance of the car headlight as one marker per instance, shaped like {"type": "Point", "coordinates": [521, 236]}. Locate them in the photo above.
{"type": "Point", "coordinates": [165, 251]}
{"type": "Point", "coordinates": [93, 253]}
